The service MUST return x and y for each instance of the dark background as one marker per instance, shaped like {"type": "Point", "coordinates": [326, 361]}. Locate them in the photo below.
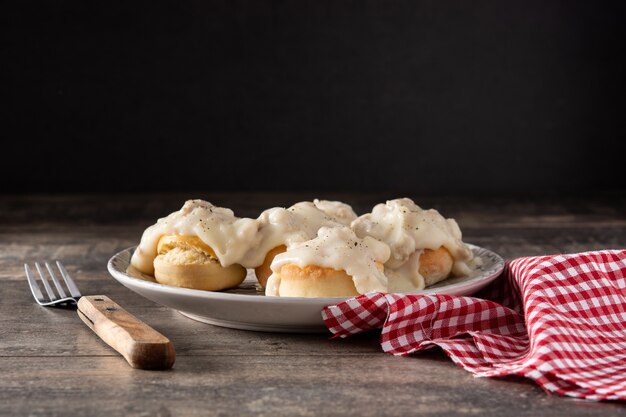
{"type": "Point", "coordinates": [418, 96]}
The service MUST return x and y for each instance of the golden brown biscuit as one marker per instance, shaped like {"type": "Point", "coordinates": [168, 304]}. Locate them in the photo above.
{"type": "Point", "coordinates": [315, 281]}
{"type": "Point", "coordinates": [186, 261]}
{"type": "Point", "coordinates": [264, 271]}
{"type": "Point", "coordinates": [435, 265]}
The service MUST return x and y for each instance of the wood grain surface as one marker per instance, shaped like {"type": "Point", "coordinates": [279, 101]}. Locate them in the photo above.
{"type": "Point", "coordinates": [52, 364]}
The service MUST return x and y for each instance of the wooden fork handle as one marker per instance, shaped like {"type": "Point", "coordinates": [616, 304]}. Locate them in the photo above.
{"type": "Point", "coordinates": [141, 345]}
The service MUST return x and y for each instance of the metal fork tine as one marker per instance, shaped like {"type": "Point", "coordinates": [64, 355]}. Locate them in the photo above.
{"type": "Point", "coordinates": [57, 284]}
{"type": "Point", "coordinates": [69, 281]}
{"type": "Point", "coordinates": [51, 293]}
{"type": "Point", "coordinates": [32, 282]}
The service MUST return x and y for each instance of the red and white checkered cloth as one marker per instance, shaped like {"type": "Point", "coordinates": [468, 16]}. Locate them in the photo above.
{"type": "Point", "coordinates": [559, 320]}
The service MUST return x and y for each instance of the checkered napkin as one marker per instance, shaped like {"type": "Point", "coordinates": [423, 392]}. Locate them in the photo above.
{"type": "Point", "coordinates": [559, 320]}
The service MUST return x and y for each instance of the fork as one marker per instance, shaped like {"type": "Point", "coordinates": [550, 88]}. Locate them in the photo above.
{"type": "Point", "coordinates": [52, 299]}
{"type": "Point", "coordinates": [141, 345]}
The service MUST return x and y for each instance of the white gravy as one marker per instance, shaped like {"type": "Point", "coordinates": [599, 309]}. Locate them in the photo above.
{"type": "Point", "coordinates": [317, 233]}
{"type": "Point", "coordinates": [337, 248]}
{"type": "Point", "coordinates": [237, 240]}
{"type": "Point", "coordinates": [408, 229]}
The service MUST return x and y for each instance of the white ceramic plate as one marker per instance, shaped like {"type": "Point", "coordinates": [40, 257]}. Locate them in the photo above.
{"type": "Point", "coordinates": [246, 308]}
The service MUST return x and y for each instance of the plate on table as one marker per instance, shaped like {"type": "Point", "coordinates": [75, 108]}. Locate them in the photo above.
{"type": "Point", "coordinates": [245, 307]}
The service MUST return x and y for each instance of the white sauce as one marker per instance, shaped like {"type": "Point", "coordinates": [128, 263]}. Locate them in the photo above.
{"type": "Point", "coordinates": [237, 240]}
{"type": "Point", "coordinates": [408, 229]}
{"type": "Point", "coordinates": [316, 233]}
{"type": "Point", "coordinates": [229, 236]}
{"type": "Point", "coordinates": [337, 248]}
{"type": "Point", "coordinates": [287, 226]}
{"type": "Point", "coordinates": [339, 211]}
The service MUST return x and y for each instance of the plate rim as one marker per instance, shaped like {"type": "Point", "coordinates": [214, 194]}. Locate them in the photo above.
{"type": "Point", "coordinates": [121, 276]}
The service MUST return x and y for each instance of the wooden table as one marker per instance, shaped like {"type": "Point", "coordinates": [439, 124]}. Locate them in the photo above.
{"type": "Point", "coordinates": [52, 364]}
